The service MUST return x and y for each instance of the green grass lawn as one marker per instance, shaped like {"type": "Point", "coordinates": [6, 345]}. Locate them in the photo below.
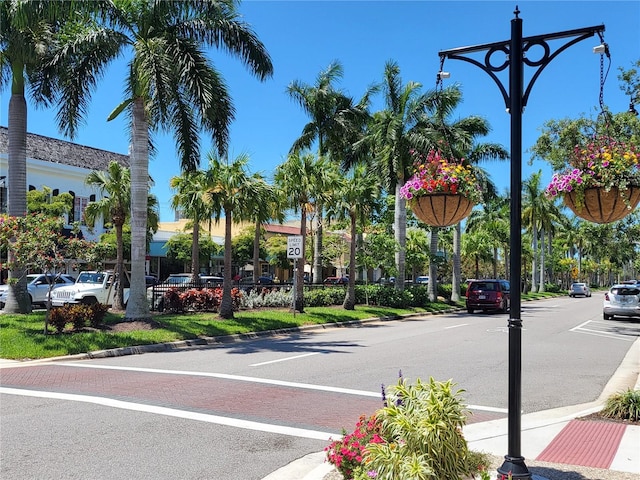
{"type": "Point", "coordinates": [22, 336]}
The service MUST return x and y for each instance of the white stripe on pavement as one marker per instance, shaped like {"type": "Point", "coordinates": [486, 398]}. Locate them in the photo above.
{"type": "Point", "coordinates": [172, 412]}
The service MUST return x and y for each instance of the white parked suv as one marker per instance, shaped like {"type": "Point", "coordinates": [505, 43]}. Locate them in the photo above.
{"type": "Point", "coordinates": [38, 287]}
{"type": "Point", "coordinates": [90, 287]}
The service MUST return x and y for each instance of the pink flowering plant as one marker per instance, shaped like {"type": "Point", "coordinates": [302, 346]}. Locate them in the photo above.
{"type": "Point", "coordinates": [602, 163]}
{"type": "Point", "coordinates": [435, 173]}
{"type": "Point", "coordinates": [347, 453]}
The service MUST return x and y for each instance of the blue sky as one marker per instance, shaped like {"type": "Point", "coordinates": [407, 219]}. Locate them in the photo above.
{"type": "Point", "coordinates": [304, 37]}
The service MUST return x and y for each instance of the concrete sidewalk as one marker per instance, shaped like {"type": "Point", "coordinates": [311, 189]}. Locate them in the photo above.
{"type": "Point", "coordinates": [559, 435]}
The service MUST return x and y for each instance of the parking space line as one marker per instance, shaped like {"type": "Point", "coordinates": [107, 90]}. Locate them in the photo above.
{"type": "Point", "coordinates": [284, 359]}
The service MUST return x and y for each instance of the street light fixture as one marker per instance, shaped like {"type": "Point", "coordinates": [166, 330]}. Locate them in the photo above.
{"type": "Point", "coordinates": [515, 100]}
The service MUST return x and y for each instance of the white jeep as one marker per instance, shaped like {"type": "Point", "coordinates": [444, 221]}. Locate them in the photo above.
{"type": "Point", "coordinates": [90, 287]}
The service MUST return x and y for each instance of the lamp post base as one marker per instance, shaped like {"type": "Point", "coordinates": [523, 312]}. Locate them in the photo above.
{"type": "Point", "coordinates": [513, 468]}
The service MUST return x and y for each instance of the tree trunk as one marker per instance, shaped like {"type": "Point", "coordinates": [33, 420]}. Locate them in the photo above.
{"type": "Point", "coordinates": [400, 224]}
{"type": "Point", "coordinates": [542, 269]}
{"type": "Point", "coordinates": [455, 281]}
{"type": "Point", "coordinates": [118, 300]}
{"type": "Point", "coordinates": [256, 252]}
{"type": "Point", "coordinates": [534, 269]}
{"type": "Point", "coordinates": [432, 286]}
{"type": "Point", "coordinates": [317, 249]}
{"type": "Point", "coordinates": [137, 306]}
{"type": "Point", "coordinates": [299, 273]}
{"type": "Point", "coordinates": [195, 251]}
{"type": "Point", "coordinates": [350, 298]}
{"type": "Point", "coordinates": [17, 297]}
{"type": "Point", "coordinates": [226, 304]}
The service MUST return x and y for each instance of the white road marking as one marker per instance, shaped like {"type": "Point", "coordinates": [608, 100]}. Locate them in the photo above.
{"type": "Point", "coordinates": [456, 326]}
{"type": "Point", "coordinates": [172, 412]}
{"type": "Point", "coordinates": [284, 359]}
{"type": "Point", "coordinates": [599, 333]}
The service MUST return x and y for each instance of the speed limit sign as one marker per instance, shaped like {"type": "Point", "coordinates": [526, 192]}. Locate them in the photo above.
{"type": "Point", "coordinates": [294, 246]}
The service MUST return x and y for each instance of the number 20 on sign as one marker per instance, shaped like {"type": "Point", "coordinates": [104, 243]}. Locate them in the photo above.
{"type": "Point", "coordinates": [294, 246]}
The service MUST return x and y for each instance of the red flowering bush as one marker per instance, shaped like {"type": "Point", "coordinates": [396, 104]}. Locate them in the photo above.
{"type": "Point", "coordinates": [198, 300]}
{"type": "Point", "coordinates": [347, 454]}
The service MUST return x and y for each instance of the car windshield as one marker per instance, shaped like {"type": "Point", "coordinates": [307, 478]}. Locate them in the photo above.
{"type": "Point", "coordinates": [623, 290]}
{"type": "Point", "coordinates": [178, 279]}
{"type": "Point", "coordinates": [483, 286]}
{"type": "Point", "coordinates": [87, 277]}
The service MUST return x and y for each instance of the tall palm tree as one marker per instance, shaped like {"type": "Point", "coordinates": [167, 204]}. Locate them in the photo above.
{"type": "Point", "coordinates": [354, 200]}
{"type": "Point", "coordinates": [27, 33]}
{"type": "Point", "coordinates": [294, 178]}
{"type": "Point", "coordinates": [493, 219]}
{"type": "Point", "coordinates": [192, 200]}
{"type": "Point", "coordinates": [231, 193]}
{"type": "Point", "coordinates": [330, 112]}
{"type": "Point", "coordinates": [170, 84]}
{"type": "Point", "coordinates": [393, 133]}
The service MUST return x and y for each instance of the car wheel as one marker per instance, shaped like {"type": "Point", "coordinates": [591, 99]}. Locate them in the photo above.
{"type": "Point", "coordinates": [607, 317]}
{"type": "Point", "coordinates": [89, 300]}
{"type": "Point", "coordinates": [470, 310]}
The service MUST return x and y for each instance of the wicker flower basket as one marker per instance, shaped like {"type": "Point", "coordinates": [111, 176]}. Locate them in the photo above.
{"type": "Point", "coordinates": [441, 209]}
{"type": "Point", "coordinates": [601, 206]}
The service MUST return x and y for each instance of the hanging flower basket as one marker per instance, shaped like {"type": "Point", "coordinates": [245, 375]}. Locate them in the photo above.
{"type": "Point", "coordinates": [441, 209]}
{"type": "Point", "coordinates": [602, 183]}
{"type": "Point", "coordinates": [441, 192]}
{"type": "Point", "coordinates": [601, 206]}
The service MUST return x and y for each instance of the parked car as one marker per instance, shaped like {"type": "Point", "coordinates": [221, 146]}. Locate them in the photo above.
{"type": "Point", "coordinates": [488, 295]}
{"type": "Point", "coordinates": [38, 287]}
{"type": "Point", "coordinates": [422, 279]}
{"type": "Point", "coordinates": [336, 280]}
{"type": "Point", "coordinates": [621, 300]}
{"type": "Point", "coordinates": [578, 288]}
{"type": "Point", "coordinates": [262, 280]}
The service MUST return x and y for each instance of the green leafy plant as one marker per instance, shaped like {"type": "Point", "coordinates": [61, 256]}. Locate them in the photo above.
{"type": "Point", "coordinates": [422, 431]}
{"type": "Point", "coordinates": [624, 406]}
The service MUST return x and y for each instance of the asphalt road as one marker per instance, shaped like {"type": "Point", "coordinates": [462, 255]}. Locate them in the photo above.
{"type": "Point", "coordinates": [241, 410]}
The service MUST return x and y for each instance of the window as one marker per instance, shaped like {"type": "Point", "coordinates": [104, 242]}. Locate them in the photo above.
{"type": "Point", "coordinates": [79, 204]}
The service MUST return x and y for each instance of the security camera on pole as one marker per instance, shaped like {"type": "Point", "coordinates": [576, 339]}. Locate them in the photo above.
{"type": "Point", "coordinates": [294, 251]}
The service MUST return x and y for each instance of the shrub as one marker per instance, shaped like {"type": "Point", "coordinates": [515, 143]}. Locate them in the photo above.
{"type": "Point", "coordinates": [422, 432]}
{"type": "Point", "coordinates": [623, 405]}
{"type": "Point", "coordinates": [347, 454]}
{"type": "Point", "coordinates": [198, 299]}
{"type": "Point", "coordinates": [96, 314]}
{"type": "Point", "coordinates": [58, 318]}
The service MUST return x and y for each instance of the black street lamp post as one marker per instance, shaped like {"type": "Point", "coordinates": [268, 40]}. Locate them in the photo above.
{"type": "Point", "coordinates": [515, 100]}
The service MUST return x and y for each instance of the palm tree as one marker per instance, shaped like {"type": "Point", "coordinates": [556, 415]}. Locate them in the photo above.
{"type": "Point", "coordinates": [393, 133]}
{"type": "Point", "coordinates": [353, 201]}
{"type": "Point", "coordinates": [115, 207]}
{"type": "Point", "coordinates": [265, 207]}
{"type": "Point", "coordinates": [231, 193]}
{"type": "Point", "coordinates": [26, 37]}
{"type": "Point", "coordinates": [192, 200]}
{"type": "Point", "coordinates": [331, 113]}
{"type": "Point", "coordinates": [294, 178]}
{"type": "Point", "coordinates": [492, 218]}
{"type": "Point", "coordinates": [170, 84]}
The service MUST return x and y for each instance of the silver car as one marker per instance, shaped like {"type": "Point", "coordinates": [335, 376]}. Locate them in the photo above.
{"type": "Point", "coordinates": [621, 300]}
{"type": "Point", "coordinates": [578, 288]}
{"type": "Point", "coordinates": [38, 287]}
